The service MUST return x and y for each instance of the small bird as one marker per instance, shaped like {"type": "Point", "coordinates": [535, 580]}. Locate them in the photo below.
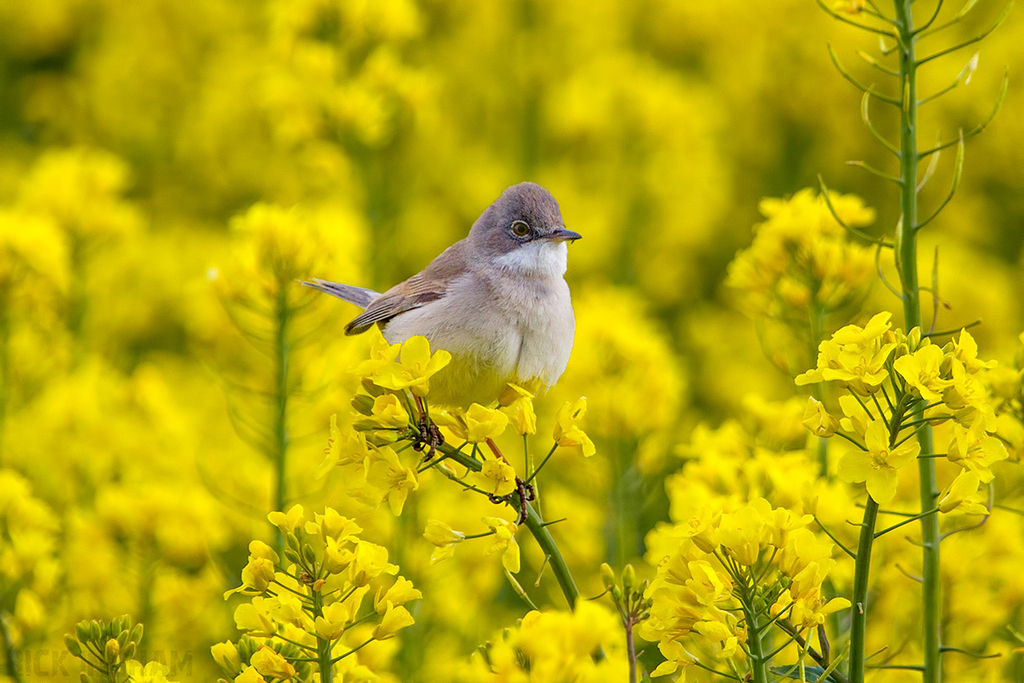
{"type": "Point", "coordinates": [496, 300]}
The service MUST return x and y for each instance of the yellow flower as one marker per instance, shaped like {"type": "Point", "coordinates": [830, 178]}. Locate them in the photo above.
{"type": "Point", "coordinates": [387, 473]}
{"type": "Point", "coordinates": [740, 533]}
{"type": "Point", "coordinates": [503, 540]}
{"type": "Point", "coordinates": [517, 404]}
{"type": "Point", "coordinates": [817, 419]}
{"type": "Point", "coordinates": [879, 464]}
{"type": "Point", "coordinates": [975, 449]}
{"type": "Point", "coordinates": [414, 368]}
{"type": "Point", "coordinates": [254, 618]}
{"type": "Point", "coordinates": [400, 592]}
{"type": "Point", "coordinates": [250, 675]}
{"type": "Point", "coordinates": [484, 423]}
{"type": "Point", "coordinates": [287, 522]}
{"type": "Point", "coordinates": [568, 433]}
{"type": "Point", "coordinates": [336, 617]}
{"type": "Point", "coordinates": [395, 619]}
{"type": "Point", "coordinates": [965, 350]}
{"type": "Point", "coordinates": [962, 495]}
{"type": "Point", "coordinates": [388, 411]}
{"type": "Point", "coordinates": [226, 655]}
{"type": "Point", "coordinates": [369, 562]}
{"type": "Point", "coordinates": [921, 370]}
{"type": "Point", "coordinates": [857, 418]}
{"type": "Point", "coordinates": [270, 663]}
{"type": "Point", "coordinates": [152, 672]}
{"type": "Point", "coordinates": [854, 357]}
{"type": "Point", "coordinates": [496, 477]}
{"type": "Point", "coordinates": [444, 537]}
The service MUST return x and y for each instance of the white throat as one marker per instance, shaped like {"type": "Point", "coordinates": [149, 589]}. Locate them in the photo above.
{"type": "Point", "coordinates": [539, 258]}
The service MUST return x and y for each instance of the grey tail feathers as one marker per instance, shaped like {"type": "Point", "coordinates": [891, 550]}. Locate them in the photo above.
{"type": "Point", "coordinates": [359, 296]}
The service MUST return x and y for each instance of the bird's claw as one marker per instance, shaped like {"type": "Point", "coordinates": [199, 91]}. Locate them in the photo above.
{"type": "Point", "coordinates": [524, 491]}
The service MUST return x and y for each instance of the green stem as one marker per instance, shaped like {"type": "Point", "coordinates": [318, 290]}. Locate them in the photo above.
{"type": "Point", "coordinates": [10, 652]}
{"type": "Point", "coordinates": [5, 368]}
{"type": "Point", "coordinates": [323, 647]}
{"type": "Point", "coordinates": [755, 633]}
{"type": "Point", "coordinates": [906, 246]}
{"type": "Point", "coordinates": [281, 408]}
{"type": "Point", "coordinates": [535, 524]}
{"type": "Point", "coordinates": [858, 625]}
{"type": "Point", "coordinates": [817, 321]}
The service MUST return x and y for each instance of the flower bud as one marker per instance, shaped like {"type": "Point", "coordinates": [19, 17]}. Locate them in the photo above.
{"type": "Point", "coordinates": [73, 646]}
{"type": "Point", "coordinates": [129, 651]}
{"type": "Point", "coordinates": [136, 636]}
{"type": "Point", "coordinates": [84, 677]}
{"type": "Point", "coordinates": [82, 631]}
{"type": "Point", "coordinates": [607, 575]}
{"type": "Point", "coordinates": [628, 578]}
{"type": "Point", "coordinates": [111, 651]}
{"type": "Point", "coordinates": [371, 388]}
{"type": "Point", "coordinates": [122, 639]}
{"type": "Point", "coordinates": [95, 631]}
{"type": "Point", "coordinates": [363, 404]}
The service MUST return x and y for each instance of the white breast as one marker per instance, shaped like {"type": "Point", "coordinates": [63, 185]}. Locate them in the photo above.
{"type": "Point", "coordinates": [511, 323]}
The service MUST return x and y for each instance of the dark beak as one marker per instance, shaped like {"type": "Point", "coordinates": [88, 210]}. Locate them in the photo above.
{"type": "Point", "coordinates": [563, 235]}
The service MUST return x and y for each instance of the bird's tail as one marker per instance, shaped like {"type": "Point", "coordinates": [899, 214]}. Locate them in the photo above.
{"type": "Point", "coordinates": [359, 296]}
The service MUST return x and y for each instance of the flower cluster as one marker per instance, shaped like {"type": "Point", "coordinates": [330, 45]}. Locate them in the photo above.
{"type": "Point", "coordinates": [29, 568]}
{"type": "Point", "coordinates": [108, 649]}
{"type": "Point", "coordinates": [308, 607]}
{"type": "Point", "coordinates": [582, 645]}
{"type": "Point", "coordinates": [802, 266]}
{"type": "Point", "coordinates": [731, 577]}
{"type": "Point", "coordinates": [392, 407]}
{"type": "Point", "coordinates": [893, 384]}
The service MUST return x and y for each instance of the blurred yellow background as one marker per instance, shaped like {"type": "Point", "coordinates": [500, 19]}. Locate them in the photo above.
{"type": "Point", "coordinates": [135, 138]}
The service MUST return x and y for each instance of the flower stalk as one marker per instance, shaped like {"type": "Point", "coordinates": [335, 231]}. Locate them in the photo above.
{"type": "Point", "coordinates": [906, 262]}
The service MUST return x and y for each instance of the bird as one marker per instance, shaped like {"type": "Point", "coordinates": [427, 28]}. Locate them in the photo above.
{"type": "Point", "coordinates": [496, 300]}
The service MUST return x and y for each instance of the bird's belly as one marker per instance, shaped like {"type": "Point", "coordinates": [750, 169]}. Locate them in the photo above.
{"type": "Point", "coordinates": [525, 339]}
{"type": "Point", "coordinates": [484, 347]}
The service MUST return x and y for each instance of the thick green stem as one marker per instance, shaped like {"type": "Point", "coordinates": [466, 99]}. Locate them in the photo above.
{"type": "Point", "coordinates": [280, 408]}
{"type": "Point", "coordinates": [535, 524]}
{"type": "Point", "coordinates": [755, 646]}
{"type": "Point", "coordinates": [906, 260]}
{"type": "Point", "coordinates": [862, 570]}
{"type": "Point", "coordinates": [323, 647]}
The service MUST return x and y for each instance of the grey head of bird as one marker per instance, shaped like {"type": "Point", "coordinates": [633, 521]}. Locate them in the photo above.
{"type": "Point", "coordinates": [521, 230]}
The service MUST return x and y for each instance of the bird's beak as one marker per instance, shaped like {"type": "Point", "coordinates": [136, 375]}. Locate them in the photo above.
{"type": "Point", "coordinates": [563, 235]}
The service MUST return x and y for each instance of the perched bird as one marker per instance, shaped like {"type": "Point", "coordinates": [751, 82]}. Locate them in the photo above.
{"type": "Point", "coordinates": [496, 300]}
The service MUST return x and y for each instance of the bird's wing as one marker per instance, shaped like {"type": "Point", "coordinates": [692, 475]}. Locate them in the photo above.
{"type": "Point", "coordinates": [360, 296]}
{"type": "Point", "coordinates": [419, 290]}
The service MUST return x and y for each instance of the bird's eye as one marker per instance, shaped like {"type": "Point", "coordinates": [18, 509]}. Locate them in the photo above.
{"type": "Point", "coordinates": [520, 229]}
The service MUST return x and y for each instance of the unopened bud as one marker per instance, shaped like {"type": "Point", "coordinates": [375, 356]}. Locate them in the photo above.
{"type": "Point", "coordinates": [607, 575]}
{"type": "Point", "coordinates": [371, 388]}
{"type": "Point", "coordinates": [914, 339]}
{"type": "Point", "coordinates": [136, 636]}
{"type": "Point", "coordinates": [82, 631]}
{"type": "Point", "coordinates": [363, 404]}
{"type": "Point", "coordinates": [628, 578]}
{"type": "Point", "coordinates": [129, 651]}
{"type": "Point", "coordinates": [73, 646]}
{"type": "Point", "coordinates": [111, 651]}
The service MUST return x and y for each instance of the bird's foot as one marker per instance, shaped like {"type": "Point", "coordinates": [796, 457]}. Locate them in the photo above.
{"type": "Point", "coordinates": [429, 435]}
{"type": "Point", "coordinates": [523, 494]}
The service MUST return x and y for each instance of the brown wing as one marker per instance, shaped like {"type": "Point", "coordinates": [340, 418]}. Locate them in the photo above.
{"type": "Point", "coordinates": [429, 285]}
